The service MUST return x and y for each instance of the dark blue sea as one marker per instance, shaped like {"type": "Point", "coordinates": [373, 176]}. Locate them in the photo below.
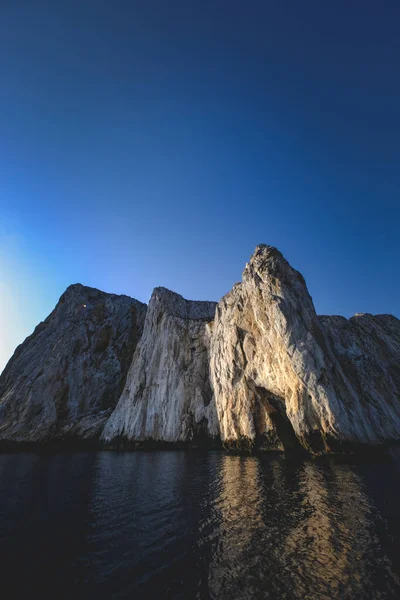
{"type": "Point", "coordinates": [186, 525]}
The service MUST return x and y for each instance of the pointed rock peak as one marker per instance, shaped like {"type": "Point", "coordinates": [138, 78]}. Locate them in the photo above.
{"type": "Point", "coordinates": [262, 248]}
{"type": "Point", "coordinates": [267, 263]}
{"type": "Point", "coordinates": [266, 259]}
{"type": "Point", "coordinates": [176, 305]}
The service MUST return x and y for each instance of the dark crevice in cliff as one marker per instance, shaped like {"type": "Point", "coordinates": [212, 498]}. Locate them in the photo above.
{"type": "Point", "coordinates": [281, 435]}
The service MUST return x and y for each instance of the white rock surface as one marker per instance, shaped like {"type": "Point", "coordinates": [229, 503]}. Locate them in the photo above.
{"type": "Point", "coordinates": [367, 348]}
{"type": "Point", "coordinates": [278, 371]}
{"type": "Point", "coordinates": [64, 379]}
{"type": "Point", "coordinates": [168, 396]}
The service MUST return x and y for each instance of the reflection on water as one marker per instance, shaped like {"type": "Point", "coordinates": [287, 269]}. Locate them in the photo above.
{"type": "Point", "coordinates": [335, 540]}
{"type": "Point", "coordinates": [180, 525]}
{"type": "Point", "coordinates": [296, 531]}
{"type": "Point", "coordinates": [239, 509]}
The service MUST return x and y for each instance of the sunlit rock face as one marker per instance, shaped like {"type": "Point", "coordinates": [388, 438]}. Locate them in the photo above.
{"type": "Point", "coordinates": [168, 397]}
{"type": "Point", "coordinates": [64, 379]}
{"type": "Point", "coordinates": [282, 376]}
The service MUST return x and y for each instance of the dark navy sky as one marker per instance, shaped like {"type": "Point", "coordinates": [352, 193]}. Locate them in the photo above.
{"type": "Point", "coordinates": [148, 143]}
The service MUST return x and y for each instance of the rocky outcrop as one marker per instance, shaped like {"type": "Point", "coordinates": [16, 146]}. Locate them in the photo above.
{"type": "Point", "coordinates": [367, 348]}
{"type": "Point", "coordinates": [64, 380]}
{"type": "Point", "coordinates": [282, 376]}
{"type": "Point", "coordinates": [260, 370]}
{"type": "Point", "coordinates": [167, 396]}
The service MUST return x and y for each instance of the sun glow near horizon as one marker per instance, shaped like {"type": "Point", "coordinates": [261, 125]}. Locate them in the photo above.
{"type": "Point", "coordinates": [23, 302]}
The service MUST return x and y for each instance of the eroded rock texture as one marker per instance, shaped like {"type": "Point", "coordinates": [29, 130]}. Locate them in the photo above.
{"type": "Point", "coordinates": [367, 348]}
{"type": "Point", "coordinates": [64, 379]}
{"type": "Point", "coordinates": [283, 376]}
{"type": "Point", "coordinates": [168, 396]}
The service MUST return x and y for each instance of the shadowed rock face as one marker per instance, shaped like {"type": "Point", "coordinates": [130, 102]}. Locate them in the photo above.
{"type": "Point", "coordinates": [168, 396]}
{"type": "Point", "coordinates": [64, 379]}
{"type": "Point", "coordinates": [367, 348]}
{"type": "Point", "coordinates": [282, 374]}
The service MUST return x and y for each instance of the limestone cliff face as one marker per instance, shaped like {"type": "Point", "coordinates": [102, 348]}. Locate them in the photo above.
{"type": "Point", "coordinates": [64, 379]}
{"type": "Point", "coordinates": [260, 369]}
{"type": "Point", "coordinates": [167, 396]}
{"type": "Point", "coordinates": [367, 348]}
{"type": "Point", "coordinates": [281, 375]}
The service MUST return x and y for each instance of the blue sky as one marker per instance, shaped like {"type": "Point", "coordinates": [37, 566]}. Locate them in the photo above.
{"type": "Point", "coordinates": [157, 143]}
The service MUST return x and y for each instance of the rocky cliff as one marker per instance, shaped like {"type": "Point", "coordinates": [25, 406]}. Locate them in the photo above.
{"type": "Point", "coordinates": [65, 379]}
{"type": "Point", "coordinates": [168, 396]}
{"type": "Point", "coordinates": [283, 377]}
{"type": "Point", "coordinates": [259, 370]}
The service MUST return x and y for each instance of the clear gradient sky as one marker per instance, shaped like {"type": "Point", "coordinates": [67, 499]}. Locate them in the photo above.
{"type": "Point", "coordinates": [157, 142]}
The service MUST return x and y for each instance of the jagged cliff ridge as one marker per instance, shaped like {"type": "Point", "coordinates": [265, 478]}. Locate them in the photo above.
{"type": "Point", "coordinates": [259, 370]}
{"type": "Point", "coordinates": [283, 376]}
{"type": "Point", "coordinates": [168, 396]}
{"type": "Point", "coordinates": [65, 378]}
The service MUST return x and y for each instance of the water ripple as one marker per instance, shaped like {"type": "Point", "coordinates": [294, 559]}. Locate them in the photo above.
{"type": "Point", "coordinates": [180, 525]}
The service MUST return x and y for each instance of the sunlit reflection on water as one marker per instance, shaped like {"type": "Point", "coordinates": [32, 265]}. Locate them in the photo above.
{"type": "Point", "coordinates": [180, 525]}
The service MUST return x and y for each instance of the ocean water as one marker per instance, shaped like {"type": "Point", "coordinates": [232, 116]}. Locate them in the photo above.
{"type": "Point", "coordinates": [186, 525]}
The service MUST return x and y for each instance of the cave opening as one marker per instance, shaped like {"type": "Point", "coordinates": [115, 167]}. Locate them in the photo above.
{"type": "Point", "coordinates": [269, 407]}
